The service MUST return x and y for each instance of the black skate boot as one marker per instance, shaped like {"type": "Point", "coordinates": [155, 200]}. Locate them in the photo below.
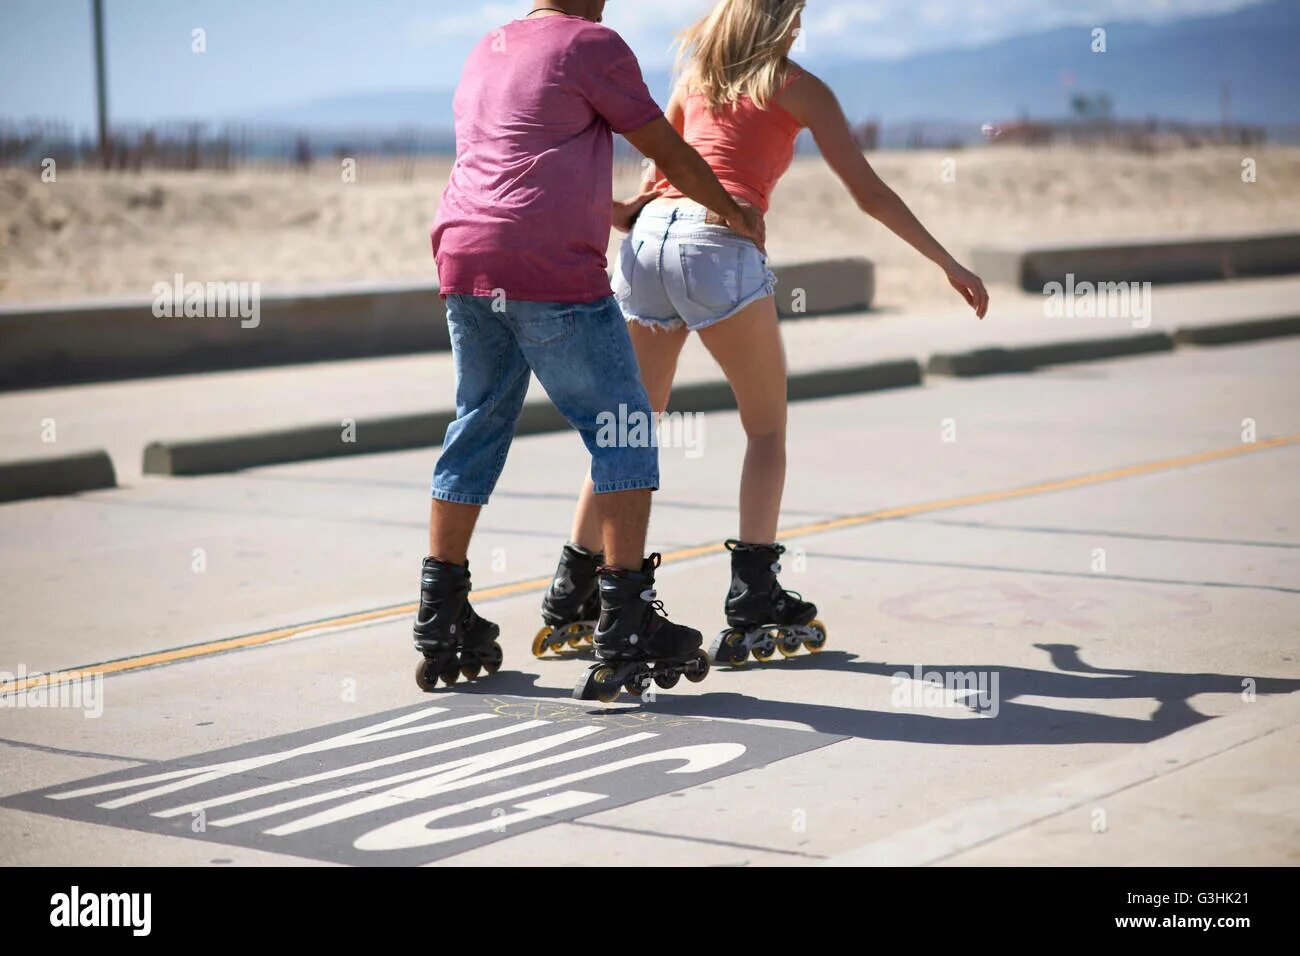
{"type": "Point", "coordinates": [572, 602]}
{"type": "Point", "coordinates": [635, 641]}
{"type": "Point", "coordinates": [763, 616]}
{"type": "Point", "coordinates": [454, 640]}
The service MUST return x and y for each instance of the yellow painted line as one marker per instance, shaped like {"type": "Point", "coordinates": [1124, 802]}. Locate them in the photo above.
{"type": "Point", "coordinates": [681, 554]}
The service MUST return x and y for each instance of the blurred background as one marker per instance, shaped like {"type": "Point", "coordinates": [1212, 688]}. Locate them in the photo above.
{"type": "Point", "coordinates": [225, 124]}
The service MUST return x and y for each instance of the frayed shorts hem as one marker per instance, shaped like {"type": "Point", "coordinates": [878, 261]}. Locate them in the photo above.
{"type": "Point", "coordinates": [626, 484]}
{"type": "Point", "coordinates": [677, 322]}
{"type": "Point", "coordinates": [459, 497]}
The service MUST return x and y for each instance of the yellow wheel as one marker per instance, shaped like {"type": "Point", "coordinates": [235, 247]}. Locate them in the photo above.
{"type": "Point", "coordinates": [762, 653]}
{"type": "Point", "coordinates": [539, 642]}
{"type": "Point", "coordinates": [737, 654]}
{"type": "Point", "coordinates": [815, 644]}
{"type": "Point", "coordinates": [606, 691]}
{"type": "Point", "coordinates": [575, 635]}
{"type": "Point", "coordinates": [786, 650]}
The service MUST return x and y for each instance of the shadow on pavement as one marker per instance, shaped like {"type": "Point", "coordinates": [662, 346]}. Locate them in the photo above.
{"type": "Point", "coordinates": [1015, 722]}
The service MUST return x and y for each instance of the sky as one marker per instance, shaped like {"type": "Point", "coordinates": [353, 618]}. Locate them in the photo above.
{"type": "Point", "coordinates": [263, 54]}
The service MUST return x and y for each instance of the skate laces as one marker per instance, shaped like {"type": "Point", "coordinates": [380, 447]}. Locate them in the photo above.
{"type": "Point", "coordinates": [651, 598]}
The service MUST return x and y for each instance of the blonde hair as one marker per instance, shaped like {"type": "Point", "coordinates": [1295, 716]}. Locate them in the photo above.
{"type": "Point", "coordinates": [738, 49]}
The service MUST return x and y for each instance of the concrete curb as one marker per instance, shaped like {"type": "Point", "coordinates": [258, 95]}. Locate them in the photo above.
{"type": "Point", "coordinates": [106, 341]}
{"type": "Point", "coordinates": [1225, 333]}
{"type": "Point", "coordinates": [984, 822]}
{"type": "Point", "coordinates": [1026, 358]}
{"type": "Point", "coordinates": [824, 287]}
{"type": "Point", "coordinates": [58, 475]}
{"type": "Point", "coordinates": [233, 452]}
{"type": "Point", "coordinates": [1157, 261]}
{"type": "Point", "coordinates": [93, 341]}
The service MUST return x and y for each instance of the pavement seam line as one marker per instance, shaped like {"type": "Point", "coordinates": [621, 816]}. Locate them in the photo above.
{"type": "Point", "coordinates": [222, 645]}
{"type": "Point", "coordinates": [1086, 798]}
{"type": "Point", "coordinates": [710, 841]}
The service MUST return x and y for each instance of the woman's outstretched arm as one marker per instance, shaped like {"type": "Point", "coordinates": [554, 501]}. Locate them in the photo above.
{"type": "Point", "coordinates": [814, 105]}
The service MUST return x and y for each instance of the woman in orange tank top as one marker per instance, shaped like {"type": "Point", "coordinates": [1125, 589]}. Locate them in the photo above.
{"type": "Point", "coordinates": [741, 103]}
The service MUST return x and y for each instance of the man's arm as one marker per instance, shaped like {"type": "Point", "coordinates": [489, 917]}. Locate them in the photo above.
{"type": "Point", "coordinates": [675, 112]}
{"type": "Point", "coordinates": [685, 169]}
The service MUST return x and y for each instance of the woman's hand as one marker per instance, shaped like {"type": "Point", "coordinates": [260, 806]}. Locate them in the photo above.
{"type": "Point", "coordinates": [970, 286]}
{"type": "Point", "coordinates": [626, 210]}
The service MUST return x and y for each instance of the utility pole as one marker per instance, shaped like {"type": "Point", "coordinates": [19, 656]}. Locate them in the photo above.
{"type": "Point", "coordinates": [101, 83]}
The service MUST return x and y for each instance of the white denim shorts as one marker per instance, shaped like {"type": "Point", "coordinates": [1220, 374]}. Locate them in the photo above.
{"type": "Point", "coordinates": [675, 269]}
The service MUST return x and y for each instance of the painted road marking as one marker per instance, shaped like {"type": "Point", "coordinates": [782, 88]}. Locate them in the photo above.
{"type": "Point", "coordinates": [417, 784]}
{"type": "Point", "coordinates": [208, 648]}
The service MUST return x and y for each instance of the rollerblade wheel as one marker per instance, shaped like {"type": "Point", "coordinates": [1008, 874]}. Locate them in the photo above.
{"type": "Point", "coordinates": [762, 652]}
{"type": "Point", "coordinates": [426, 674]}
{"type": "Point", "coordinates": [788, 645]}
{"type": "Point", "coordinates": [667, 679]}
{"type": "Point", "coordinates": [604, 684]}
{"type": "Point", "coordinates": [698, 668]}
{"type": "Point", "coordinates": [730, 648]}
{"type": "Point", "coordinates": [597, 683]}
{"type": "Point", "coordinates": [492, 658]}
{"type": "Point", "coordinates": [450, 674]}
{"type": "Point", "coordinates": [574, 635]}
{"type": "Point", "coordinates": [470, 669]}
{"type": "Point", "coordinates": [636, 684]}
{"type": "Point", "coordinates": [541, 642]}
{"type": "Point", "coordinates": [818, 640]}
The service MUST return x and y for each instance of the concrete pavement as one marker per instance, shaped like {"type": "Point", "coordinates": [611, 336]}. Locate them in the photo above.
{"type": "Point", "coordinates": [1114, 615]}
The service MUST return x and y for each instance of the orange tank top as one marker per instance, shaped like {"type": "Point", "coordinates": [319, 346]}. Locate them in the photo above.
{"type": "Point", "coordinates": [747, 148]}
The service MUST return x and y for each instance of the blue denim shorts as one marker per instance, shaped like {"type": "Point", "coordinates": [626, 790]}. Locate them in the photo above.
{"type": "Point", "coordinates": [675, 269]}
{"type": "Point", "coordinates": [583, 357]}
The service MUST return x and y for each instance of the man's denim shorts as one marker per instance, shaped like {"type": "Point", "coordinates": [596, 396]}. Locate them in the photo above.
{"type": "Point", "coordinates": [583, 357]}
{"type": "Point", "coordinates": [675, 269]}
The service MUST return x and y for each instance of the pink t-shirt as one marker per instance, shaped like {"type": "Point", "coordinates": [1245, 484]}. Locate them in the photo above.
{"type": "Point", "coordinates": [527, 208]}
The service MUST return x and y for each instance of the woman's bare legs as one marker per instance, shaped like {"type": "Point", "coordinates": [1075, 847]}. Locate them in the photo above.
{"type": "Point", "coordinates": [748, 348]}
{"type": "Point", "coordinates": [656, 353]}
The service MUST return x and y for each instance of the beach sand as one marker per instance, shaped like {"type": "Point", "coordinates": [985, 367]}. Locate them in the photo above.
{"type": "Point", "coordinates": [93, 234]}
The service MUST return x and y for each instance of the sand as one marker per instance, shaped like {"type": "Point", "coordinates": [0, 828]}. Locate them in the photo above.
{"type": "Point", "coordinates": [95, 234]}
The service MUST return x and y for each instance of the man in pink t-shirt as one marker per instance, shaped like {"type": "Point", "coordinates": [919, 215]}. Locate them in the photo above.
{"type": "Point", "coordinates": [520, 242]}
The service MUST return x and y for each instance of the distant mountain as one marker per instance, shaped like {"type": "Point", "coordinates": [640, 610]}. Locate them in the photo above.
{"type": "Point", "coordinates": [1174, 70]}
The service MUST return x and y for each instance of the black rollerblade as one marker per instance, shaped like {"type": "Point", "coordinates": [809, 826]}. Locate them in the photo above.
{"type": "Point", "coordinates": [454, 640]}
{"type": "Point", "coordinates": [635, 642]}
{"type": "Point", "coordinates": [572, 603]}
{"type": "Point", "coordinates": [763, 616]}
